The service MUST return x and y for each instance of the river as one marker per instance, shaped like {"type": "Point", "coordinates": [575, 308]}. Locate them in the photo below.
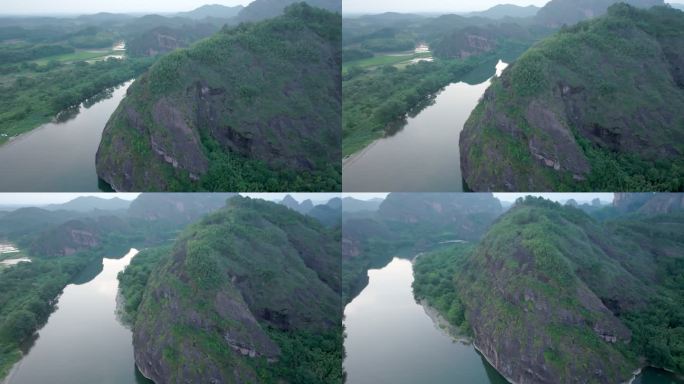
{"type": "Point", "coordinates": [423, 155]}
{"type": "Point", "coordinates": [392, 339]}
{"type": "Point", "coordinates": [59, 156]}
{"type": "Point", "coordinates": [83, 341]}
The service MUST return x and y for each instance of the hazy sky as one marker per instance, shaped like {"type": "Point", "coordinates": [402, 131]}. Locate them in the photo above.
{"type": "Point", "coordinates": [511, 197]}
{"type": "Point", "coordinates": [116, 6]}
{"type": "Point", "coordinates": [379, 6]}
{"type": "Point", "coordinates": [55, 198]}
{"type": "Point", "coordinates": [429, 6]}
{"type": "Point", "coordinates": [58, 198]}
{"type": "Point", "coordinates": [315, 197]}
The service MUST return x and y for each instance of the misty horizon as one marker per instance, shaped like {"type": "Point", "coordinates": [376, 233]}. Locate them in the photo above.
{"type": "Point", "coordinates": [71, 8]}
{"type": "Point", "coordinates": [432, 7]}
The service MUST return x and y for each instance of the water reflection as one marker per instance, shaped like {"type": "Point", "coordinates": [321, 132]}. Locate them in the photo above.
{"type": "Point", "coordinates": [83, 341]}
{"type": "Point", "coordinates": [390, 338]}
{"type": "Point", "coordinates": [421, 154]}
{"type": "Point", "coordinates": [60, 156]}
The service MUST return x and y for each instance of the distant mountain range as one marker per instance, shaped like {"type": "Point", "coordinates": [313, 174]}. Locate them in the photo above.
{"type": "Point", "coordinates": [90, 203]}
{"type": "Point", "coordinates": [328, 214]}
{"type": "Point", "coordinates": [502, 11]}
{"type": "Point", "coordinates": [212, 10]}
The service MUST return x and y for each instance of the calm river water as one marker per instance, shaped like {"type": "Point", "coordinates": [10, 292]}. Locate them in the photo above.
{"type": "Point", "coordinates": [83, 341]}
{"type": "Point", "coordinates": [423, 156]}
{"type": "Point", "coordinates": [59, 156]}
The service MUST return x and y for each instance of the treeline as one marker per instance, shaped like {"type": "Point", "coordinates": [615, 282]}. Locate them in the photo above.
{"type": "Point", "coordinates": [28, 293]}
{"type": "Point", "coordinates": [306, 357]}
{"type": "Point", "coordinates": [133, 279]}
{"type": "Point", "coordinates": [19, 53]}
{"type": "Point", "coordinates": [33, 100]}
{"type": "Point", "coordinates": [434, 274]}
{"type": "Point", "coordinates": [352, 54]}
{"type": "Point", "coordinates": [375, 100]}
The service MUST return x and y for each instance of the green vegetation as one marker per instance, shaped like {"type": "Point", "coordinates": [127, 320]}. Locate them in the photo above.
{"type": "Point", "coordinates": [381, 60]}
{"type": "Point", "coordinates": [376, 101]}
{"type": "Point", "coordinates": [28, 293]}
{"type": "Point", "coordinates": [272, 126]}
{"type": "Point", "coordinates": [550, 281]}
{"type": "Point", "coordinates": [34, 98]}
{"type": "Point", "coordinates": [133, 279]}
{"type": "Point", "coordinates": [434, 274]}
{"type": "Point", "coordinates": [247, 274]}
{"type": "Point", "coordinates": [372, 242]}
{"type": "Point", "coordinates": [76, 56]}
{"type": "Point", "coordinates": [617, 126]}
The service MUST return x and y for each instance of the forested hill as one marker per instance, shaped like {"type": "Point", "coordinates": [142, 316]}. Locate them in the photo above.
{"type": "Point", "coordinates": [252, 108]}
{"type": "Point", "coordinates": [250, 293]}
{"type": "Point", "coordinates": [551, 295]}
{"type": "Point", "coordinates": [571, 113]}
{"type": "Point", "coordinates": [408, 223]}
{"type": "Point", "coordinates": [265, 9]}
{"type": "Point", "coordinates": [558, 12]}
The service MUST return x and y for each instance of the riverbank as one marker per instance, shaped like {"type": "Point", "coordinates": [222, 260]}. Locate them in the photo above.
{"type": "Point", "coordinates": [441, 323]}
{"type": "Point", "coordinates": [32, 99]}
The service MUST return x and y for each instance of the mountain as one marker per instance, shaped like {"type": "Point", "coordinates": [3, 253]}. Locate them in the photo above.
{"type": "Point", "coordinates": [677, 6]}
{"type": "Point", "coordinates": [501, 11]}
{"type": "Point", "coordinates": [558, 12]}
{"type": "Point", "coordinates": [212, 10]}
{"type": "Point", "coordinates": [428, 214]}
{"type": "Point", "coordinates": [250, 293]}
{"type": "Point", "coordinates": [176, 207]}
{"type": "Point", "coordinates": [294, 205]}
{"type": "Point", "coordinates": [76, 235]}
{"type": "Point", "coordinates": [265, 9]}
{"type": "Point", "coordinates": [329, 214]}
{"type": "Point", "coordinates": [251, 108]}
{"type": "Point", "coordinates": [350, 204]}
{"type": "Point", "coordinates": [90, 203]}
{"type": "Point", "coordinates": [561, 119]}
{"type": "Point", "coordinates": [29, 220]}
{"type": "Point", "coordinates": [551, 295]}
{"type": "Point", "coordinates": [663, 203]}
{"type": "Point", "coordinates": [164, 39]}
{"type": "Point", "coordinates": [408, 223]}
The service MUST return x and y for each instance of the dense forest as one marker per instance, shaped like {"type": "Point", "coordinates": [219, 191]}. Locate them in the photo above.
{"type": "Point", "coordinates": [250, 272]}
{"type": "Point", "coordinates": [66, 241]}
{"type": "Point", "coordinates": [382, 84]}
{"type": "Point", "coordinates": [548, 281]}
{"type": "Point", "coordinates": [239, 123]}
{"type": "Point", "coordinates": [557, 120]}
{"type": "Point", "coordinates": [406, 224]}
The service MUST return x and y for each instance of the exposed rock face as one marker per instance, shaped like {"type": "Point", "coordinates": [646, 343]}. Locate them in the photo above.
{"type": "Point", "coordinates": [76, 235]}
{"type": "Point", "coordinates": [558, 12]}
{"type": "Point", "coordinates": [536, 313]}
{"type": "Point", "coordinates": [167, 38]}
{"type": "Point", "coordinates": [466, 215]}
{"type": "Point", "coordinates": [258, 96]}
{"type": "Point", "coordinates": [663, 203]}
{"type": "Point", "coordinates": [549, 123]}
{"type": "Point", "coordinates": [234, 280]}
{"type": "Point", "coordinates": [631, 202]}
{"type": "Point", "coordinates": [477, 40]}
